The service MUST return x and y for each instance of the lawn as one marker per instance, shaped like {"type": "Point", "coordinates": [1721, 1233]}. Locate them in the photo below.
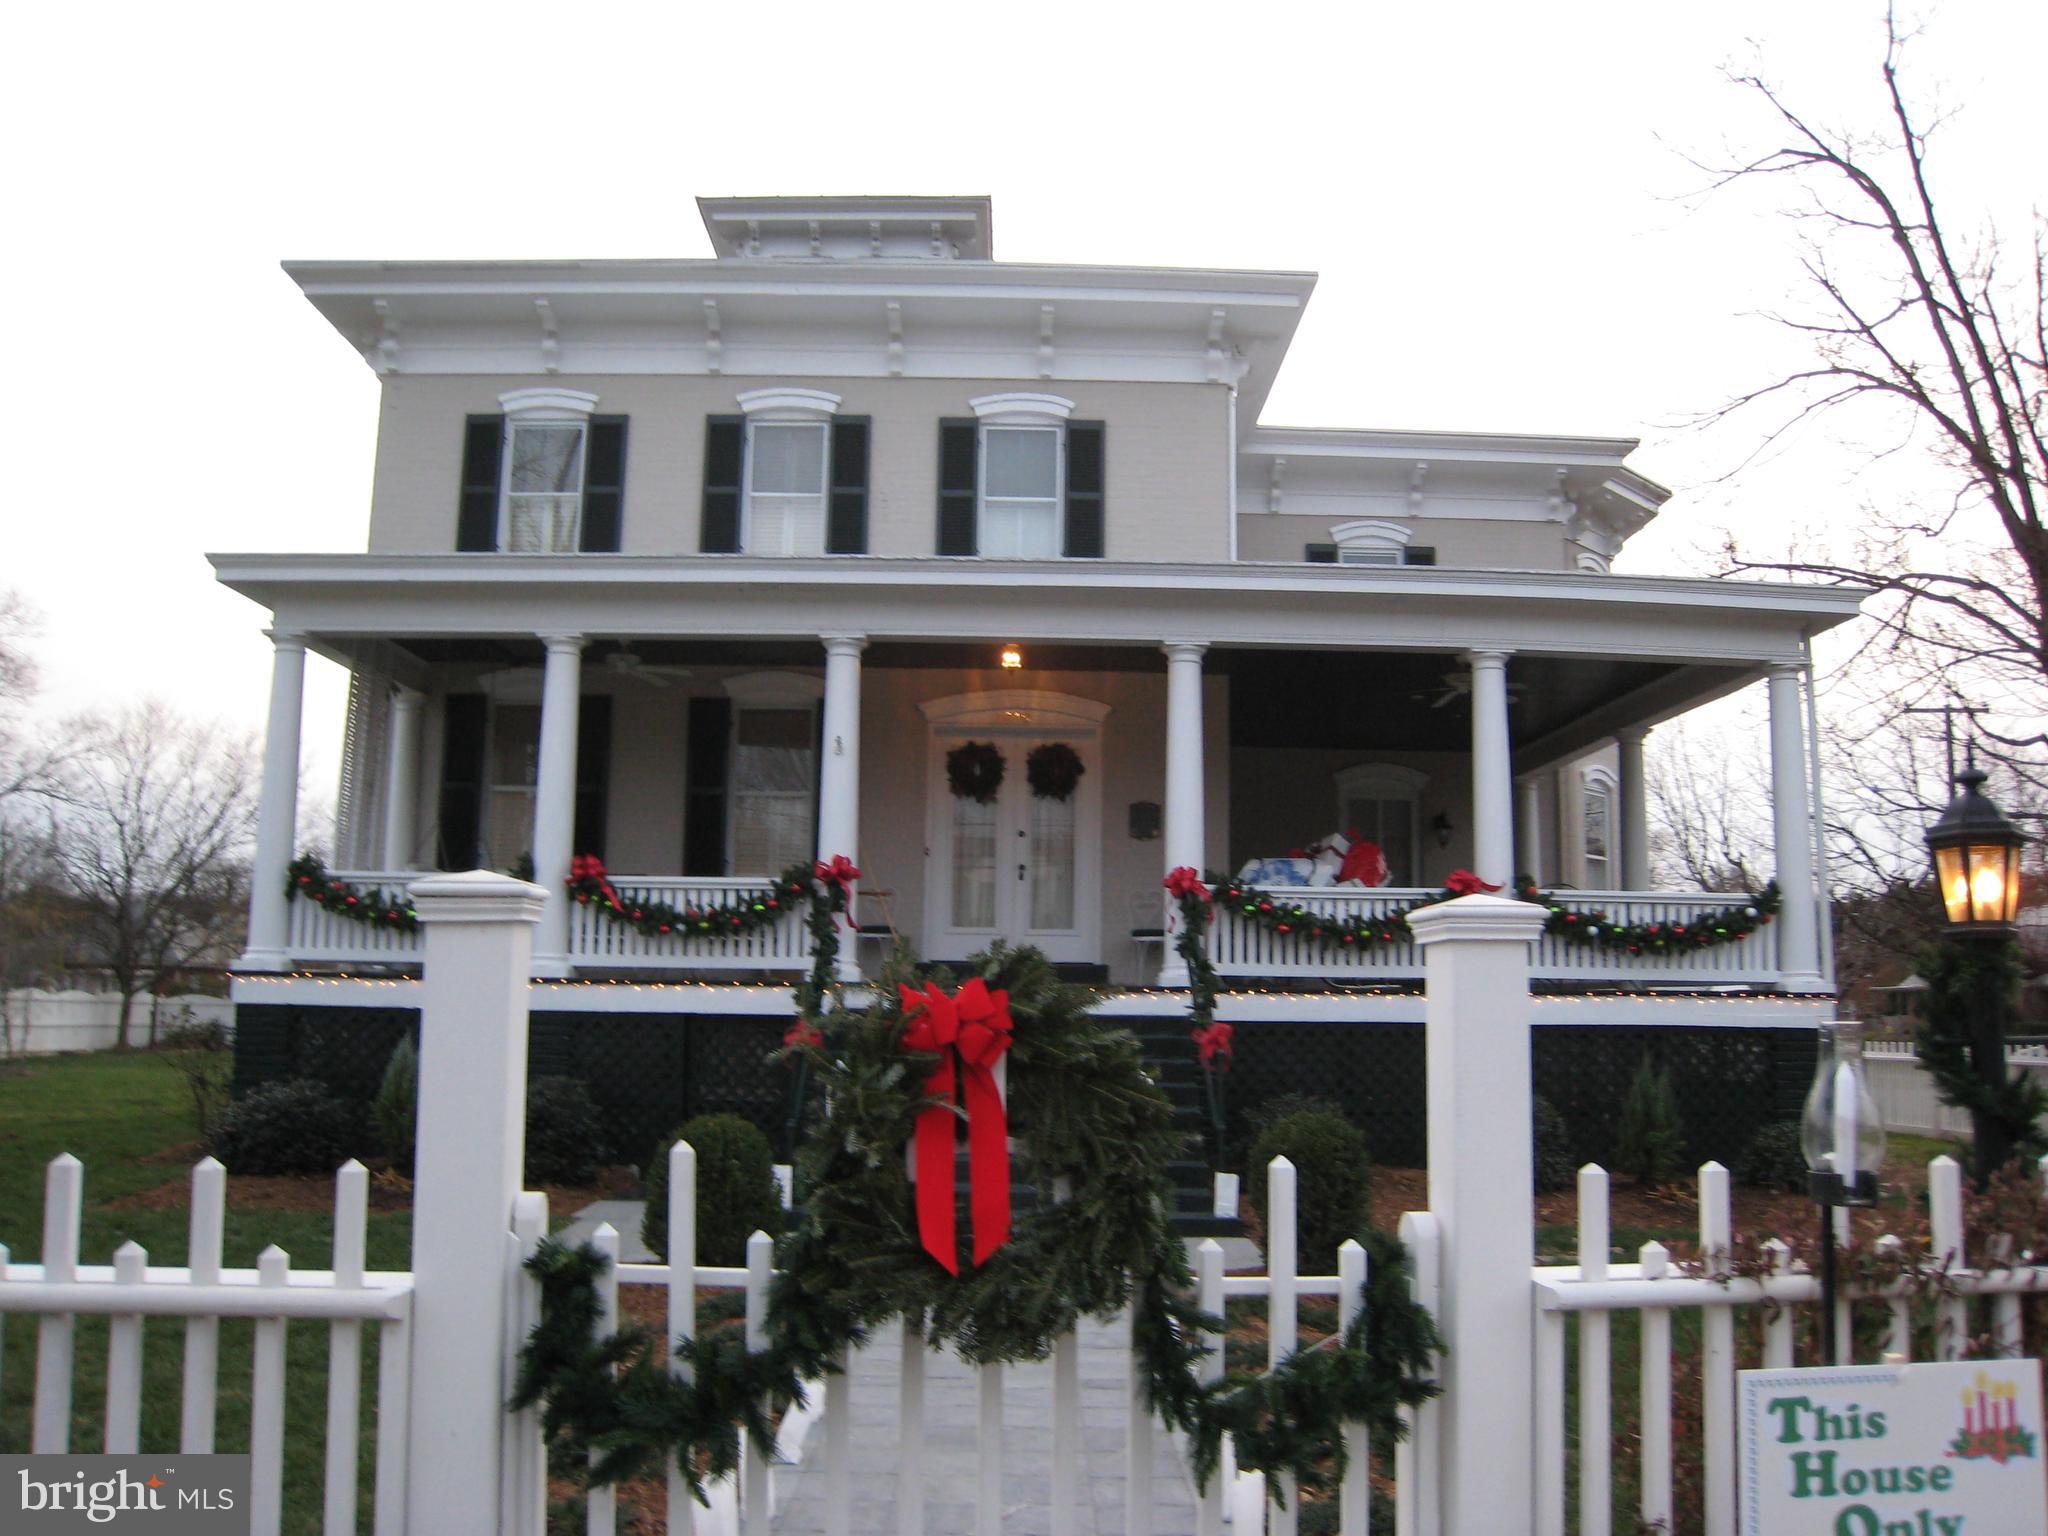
{"type": "Point", "coordinates": [127, 1119]}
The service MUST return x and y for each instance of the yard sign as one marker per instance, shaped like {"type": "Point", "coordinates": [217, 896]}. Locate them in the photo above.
{"type": "Point", "coordinates": [1951, 1449]}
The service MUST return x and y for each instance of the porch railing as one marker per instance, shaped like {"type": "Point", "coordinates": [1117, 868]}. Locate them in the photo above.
{"type": "Point", "coordinates": [598, 942]}
{"type": "Point", "coordinates": [329, 935]}
{"type": "Point", "coordinates": [1240, 947]}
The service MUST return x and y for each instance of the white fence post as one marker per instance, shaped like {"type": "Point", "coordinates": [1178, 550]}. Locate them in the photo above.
{"type": "Point", "coordinates": [1481, 1170]}
{"type": "Point", "coordinates": [467, 1173]}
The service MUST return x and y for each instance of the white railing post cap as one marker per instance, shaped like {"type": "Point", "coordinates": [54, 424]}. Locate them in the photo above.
{"type": "Point", "coordinates": [1478, 917]}
{"type": "Point", "coordinates": [476, 896]}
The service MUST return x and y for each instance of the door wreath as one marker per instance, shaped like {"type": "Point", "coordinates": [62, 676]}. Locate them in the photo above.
{"type": "Point", "coordinates": [1053, 770]}
{"type": "Point", "coordinates": [974, 771]}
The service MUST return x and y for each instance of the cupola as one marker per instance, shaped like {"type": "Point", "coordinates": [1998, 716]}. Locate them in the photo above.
{"type": "Point", "coordinates": [849, 228]}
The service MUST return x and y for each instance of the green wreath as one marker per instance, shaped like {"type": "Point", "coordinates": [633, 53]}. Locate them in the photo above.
{"type": "Point", "coordinates": [974, 771]}
{"type": "Point", "coordinates": [1054, 770]}
{"type": "Point", "coordinates": [1088, 1118]}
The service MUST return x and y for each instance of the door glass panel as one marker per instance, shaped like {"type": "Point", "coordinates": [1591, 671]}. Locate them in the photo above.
{"type": "Point", "coordinates": [1052, 863]}
{"type": "Point", "coordinates": [1599, 815]}
{"type": "Point", "coordinates": [1390, 824]}
{"type": "Point", "coordinates": [773, 771]}
{"type": "Point", "coordinates": [515, 761]}
{"type": "Point", "coordinates": [974, 863]}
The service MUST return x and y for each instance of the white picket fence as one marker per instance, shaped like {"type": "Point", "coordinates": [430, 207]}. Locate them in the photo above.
{"type": "Point", "coordinates": [1595, 1290]}
{"type": "Point", "coordinates": [59, 1290]}
{"type": "Point", "coordinates": [1905, 1094]}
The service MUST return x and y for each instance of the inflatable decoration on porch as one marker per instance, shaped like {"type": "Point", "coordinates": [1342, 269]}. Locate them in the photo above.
{"type": "Point", "coordinates": [974, 771]}
{"type": "Point", "coordinates": [871, 1243]}
{"type": "Point", "coordinates": [1053, 770]}
{"type": "Point", "coordinates": [307, 877]}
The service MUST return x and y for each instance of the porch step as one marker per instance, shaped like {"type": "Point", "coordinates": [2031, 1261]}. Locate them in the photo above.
{"type": "Point", "coordinates": [1170, 1057]}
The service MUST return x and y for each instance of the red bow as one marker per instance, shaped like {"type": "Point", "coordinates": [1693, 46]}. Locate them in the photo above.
{"type": "Point", "coordinates": [1463, 882]}
{"type": "Point", "coordinates": [585, 866]}
{"type": "Point", "coordinates": [839, 871]}
{"type": "Point", "coordinates": [968, 1032]}
{"type": "Point", "coordinates": [1185, 881]}
{"type": "Point", "coordinates": [1213, 1042]}
{"type": "Point", "coordinates": [802, 1033]}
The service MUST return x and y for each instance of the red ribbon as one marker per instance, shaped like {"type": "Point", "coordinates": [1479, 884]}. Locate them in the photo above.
{"type": "Point", "coordinates": [968, 1032]}
{"type": "Point", "coordinates": [586, 866]}
{"type": "Point", "coordinates": [1463, 882]}
{"type": "Point", "coordinates": [1186, 881]}
{"type": "Point", "coordinates": [1213, 1042]}
{"type": "Point", "coordinates": [839, 871]}
{"type": "Point", "coordinates": [801, 1034]}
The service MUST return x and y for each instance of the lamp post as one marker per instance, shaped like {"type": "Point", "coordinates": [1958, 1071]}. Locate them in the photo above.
{"type": "Point", "coordinates": [1842, 1136]}
{"type": "Point", "coordinates": [1976, 853]}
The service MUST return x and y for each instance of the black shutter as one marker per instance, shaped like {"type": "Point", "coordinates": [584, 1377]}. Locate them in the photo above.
{"type": "Point", "coordinates": [710, 742]}
{"type": "Point", "coordinates": [1320, 554]}
{"type": "Point", "coordinates": [593, 771]}
{"type": "Point", "coordinates": [846, 518]}
{"type": "Point", "coordinates": [483, 456]}
{"type": "Point", "coordinates": [725, 453]}
{"type": "Point", "coordinates": [1084, 490]}
{"type": "Point", "coordinates": [462, 780]}
{"type": "Point", "coordinates": [604, 485]}
{"type": "Point", "coordinates": [959, 443]}
{"type": "Point", "coordinates": [1419, 554]}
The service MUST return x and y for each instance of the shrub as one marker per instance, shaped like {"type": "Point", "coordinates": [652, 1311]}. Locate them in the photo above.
{"type": "Point", "coordinates": [290, 1127]}
{"type": "Point", "coordinates": [394, 1114]}
{"type": "Point", "coordinates": [1650, 1142]}
{"type": "Point", "coordinates": [737, 1195]}
{"type": "Point", "coordinates": [1555, 1168]}
{"type": "Point", "coordinates": [564, 1133]}
{"type": "Point", "coordinates": [1333, 1182]}
{"type": "Point", "coordinates": [1774, 1159]}
{"type": "Point", "coordinates": [199, 1053]}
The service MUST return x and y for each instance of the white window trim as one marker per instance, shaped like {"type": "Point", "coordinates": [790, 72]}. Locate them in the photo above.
{"type": "Point", "coordinates": [1384, 781]}
{"type": "Point", "coordinates": [1600, 781]}
{"type": "Point", "coordinates": [1368, 535]}
{"type": "Point", "coordinates": [1015, 409]}
{"type": "Point", "coordinates": [542, 408]}
{"type": "Point", "coordinates": [785, 407]}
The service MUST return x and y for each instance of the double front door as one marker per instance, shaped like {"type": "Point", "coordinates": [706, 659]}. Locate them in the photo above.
{"type": "Point", "coordinates": [1016, 863]}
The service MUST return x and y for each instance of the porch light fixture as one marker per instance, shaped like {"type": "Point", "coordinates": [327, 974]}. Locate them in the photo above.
{"type": "Point", "coordinates": [1440, 824]}
{"type": "Point", "coordinates": [1976, 861]}
{"type": "Point", "coordinates": [1842, 1137]}
{"type": "Point", "coordinates": [1012, 657]}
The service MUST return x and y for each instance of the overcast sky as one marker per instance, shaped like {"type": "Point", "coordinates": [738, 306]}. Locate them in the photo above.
{"type": "Point", "coordinates": [1495, 197]}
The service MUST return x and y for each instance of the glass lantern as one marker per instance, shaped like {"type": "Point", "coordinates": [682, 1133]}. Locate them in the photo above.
{"type": "Point", "coordinates": [1840, 1130]}
{"type": "Point", "coordinates": [1976, 860]}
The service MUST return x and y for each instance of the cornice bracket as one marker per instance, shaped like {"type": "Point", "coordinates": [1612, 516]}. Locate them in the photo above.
{"type": "Point", "coordinates": [895, 348]}
{"type": "Point", "coordinates": [1045, 355]}
{"type": "Point", "coordinates": [1273, 491]}
{"type": "Point", "coordinates": [384, 351]}
{"type": "Point", "coordinates": [550, 337]}
{"type": "Point", "coordinates": [714, 342]}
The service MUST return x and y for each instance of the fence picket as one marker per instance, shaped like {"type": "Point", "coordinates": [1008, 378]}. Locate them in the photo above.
{"type": "Point", "coordinates": [754, 1490]}
{"type": "Point", "coordinates": [124, 1359]}
{"type": "Point", "coordinates": [2007, 1338]}
{"type": "Point", "coordinates": [910, 1427]}
{"type": "Point", "coordinates": [1282, 1270]}
{"type": "Point", "coordinates": [1065, 1480]}
{"type": "Point", "coordinates": [202, 1334]}
{"type": "Point", "coordinates": [601, 1503]}
{"type": "Point", "coordinates": [1779, 1326]}
{"type": "Point", "coordinates": [63, 1196]}
{"type": "Point", "coordinates": [1596, 1418]}
{"type": "Point", "coordinates": [1945, 1219]}
{"type": "Point", "coordinates": [1418, 1475]}
{"type": "Point", "coordinates": [394, 1424]}
{"type": "Point", "coordinates": [3, 1324]}
{"type": "Point", "coordinates": [1549, 1402]}
{"type": "Point", "coordinates": [266, 1403]}
{"type": "Point", "coordinates": [988, 1452]}
{"type": "Point", "coordinates": [1717, 1358]}
{"type": "Point", "coordinates": [1354, 1506]}
{"type": "Point", "coordinates": [1137, 1450]}
{"type": "Point", "coordinates": [682, 1303]}
{"type": "Point", "coordinates": [839, 1448]}
{"type": "Point", "coordinates": [524, 1458]}
{"type": "Point", "coordinates": [1899, 1337]}
{"type": "Point", "coordinates": [1655, 1407]}
{"type": "Point", "coordinates": [1209, 1297]}
{"type": "Point", "coordinates": [345, 1350]}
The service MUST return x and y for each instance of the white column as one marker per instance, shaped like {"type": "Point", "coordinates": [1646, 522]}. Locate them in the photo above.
{"type": "Point", "coordinates": [1635, 812]}
{"type": "Point", "coordinates": [277, 815]}
{"type": "Point", "coordinates": [1798, 929]}
{"type": "Point", "coordinates": [1184, 813]}
{"type": "Point", "coordinates": [401, 780]}
{"type": "Point", "coordinates": [1529, 828]}
{"type": "Point", "coordinates": [1475, 955]}
{"type": "Point", "coordinates": [554, 799]}
{"type": "Point", "coordinates": [1493, 785]}
{"type": "Point", "coordinates": [467, 1169]}
{"type": "Point", "coordinates": [839, 776]}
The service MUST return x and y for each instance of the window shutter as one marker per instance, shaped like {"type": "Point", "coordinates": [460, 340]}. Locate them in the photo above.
{"type": "Point", "coordinates": [725, 452]}
{"type": "Point", "coordinates": [593, 771]}
{"type": "Point", "coordinates": [846, 518]}
{"type": "Point", "coordinates": [1320, 554]}
{"type": "Point", "coordinates": [462, 780]}
{"type": "Point", "coordinates": [604, 485]}
{"type": "Point", "coordinates": [710, 742]}
{"type": "Point", "coordinates": [959, 445]}
{"type": "Point", "coordinates": [483, 455]}
{"type": "Point", "coordinates": [1419, 554]}
{"type": "Point", "coordinates": [1084, 490]}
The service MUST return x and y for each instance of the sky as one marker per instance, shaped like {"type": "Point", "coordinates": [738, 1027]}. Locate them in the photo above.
{"type": "Point", "coordinates": [1499, 200]}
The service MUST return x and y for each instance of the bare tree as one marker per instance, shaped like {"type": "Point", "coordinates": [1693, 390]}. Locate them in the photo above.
{"type": "Point", "coordinates": [1710, 818]}
{"type": "Point", "coordinates": [1936, 343]}
{"type": "Point", "coordinates": [150, 842]}
{"type": "Point", "coordinates": [28, 762]}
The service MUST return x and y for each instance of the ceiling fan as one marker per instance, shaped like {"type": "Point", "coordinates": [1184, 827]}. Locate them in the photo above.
{"type": "Point", "coordinates": [629, 663]}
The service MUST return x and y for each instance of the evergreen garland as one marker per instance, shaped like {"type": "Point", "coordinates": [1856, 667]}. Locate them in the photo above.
{"type": "Point", "coordinates": [1090, 1120]}
{"type": "Point", "coordinates": [306, 876]}
{"type": "Point", "coordinates": [743, 913]}
{"type": "Point", "coordinates": [1970, 987]}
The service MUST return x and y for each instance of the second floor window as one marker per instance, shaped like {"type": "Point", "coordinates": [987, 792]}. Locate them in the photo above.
{"type": "Point", "coordinates": [546, 476]}
{"type": "Point", "coordinates": [1020, 492]}
{"type": "Point", "coordinates": [789, 476]}
{"type": "Point", "coordinates": [543, 489]}
{"type": "Point", "coordinates": [786, 488]}
{"type": "Point", "coordinates": [1019, 480]}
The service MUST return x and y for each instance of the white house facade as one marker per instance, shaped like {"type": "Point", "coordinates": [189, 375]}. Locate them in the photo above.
{"type": "Point", "coordinates": [708, 567]}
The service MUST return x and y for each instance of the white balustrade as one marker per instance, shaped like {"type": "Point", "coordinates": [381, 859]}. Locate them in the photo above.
{"type": "Point", "coordinates": [323, 934]}
{"type": "Point", "coordinates": [600, 942]}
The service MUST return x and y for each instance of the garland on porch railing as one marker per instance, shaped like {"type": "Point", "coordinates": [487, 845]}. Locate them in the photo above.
{"type": "Point", "coordinates": [307, 877]}
{"type": "Point", "coordinates": [864, 1251]}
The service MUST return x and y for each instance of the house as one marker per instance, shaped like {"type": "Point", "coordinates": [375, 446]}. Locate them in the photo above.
{"type": "Point", "coordinates": [853, 540]}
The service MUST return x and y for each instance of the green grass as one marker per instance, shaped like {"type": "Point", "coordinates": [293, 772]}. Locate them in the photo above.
{"type": "Point", "coordinates": [112, 1111]}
